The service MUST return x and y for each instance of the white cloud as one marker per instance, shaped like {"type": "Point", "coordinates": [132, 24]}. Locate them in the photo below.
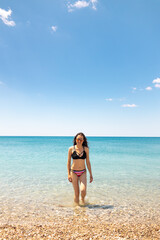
{"type": "Point", "coordinates": [129, 105]}
{"type": "Point", "coordinates": [82, 4]}
{"type": "Point", "coordinates": [54, 28]}
{"type": "Point", "coordinates": [94, 2]}
{"type": "Point", "coordinates": [148, 88]}
{"type": "Point", "coordinates": [78, 4]}
{"type": "Point", "coordinates": [4, 15]}
{"type": "Point", "coordinates": [157, 85]}
{"type": "Point", "coordinates": [157, 80]}
{"type": "Point", "coordinates": [115, 99]}
{"type": "Point", "coordinates": [136, 89]}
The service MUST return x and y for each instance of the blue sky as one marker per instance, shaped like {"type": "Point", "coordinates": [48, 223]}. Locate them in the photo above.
{"type": "Point", "coordinates": [70, 66]}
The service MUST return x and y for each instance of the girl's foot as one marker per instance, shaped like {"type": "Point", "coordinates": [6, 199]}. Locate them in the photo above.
{"type": "Point", "coordinates": [82, 202]}
{"type": "Point", "coordinates": [76, 204]}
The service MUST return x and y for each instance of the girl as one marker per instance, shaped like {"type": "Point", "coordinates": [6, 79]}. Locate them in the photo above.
{"type": "Point", "coordinates": [79, 152]}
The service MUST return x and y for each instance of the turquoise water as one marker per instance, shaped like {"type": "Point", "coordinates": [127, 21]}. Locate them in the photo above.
{"type": "Point", "coordinates": [125, 169]}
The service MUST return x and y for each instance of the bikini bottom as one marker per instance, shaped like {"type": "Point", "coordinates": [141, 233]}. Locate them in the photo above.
{"type": "Point", "coordinates": [78, 172]}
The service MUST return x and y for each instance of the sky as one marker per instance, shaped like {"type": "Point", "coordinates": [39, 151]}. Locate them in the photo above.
{"type": "Point", "coordinates": [89, 66]}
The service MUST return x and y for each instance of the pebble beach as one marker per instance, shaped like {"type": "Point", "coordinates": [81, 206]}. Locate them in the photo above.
{"type": "Point", "coordinates": [82, 222]}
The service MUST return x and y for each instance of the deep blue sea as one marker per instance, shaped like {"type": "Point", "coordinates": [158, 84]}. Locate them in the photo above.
{"type": "Point", "coordinates": [126, 171]}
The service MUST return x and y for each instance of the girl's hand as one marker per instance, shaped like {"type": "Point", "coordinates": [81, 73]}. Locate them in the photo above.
{"type": "Point", "coordinates": [91, 178]}
{"type": "Point", "coordinates": [69, 178]}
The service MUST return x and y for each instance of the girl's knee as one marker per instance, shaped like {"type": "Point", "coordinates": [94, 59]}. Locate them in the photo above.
{"type": "Point", "coordinates": [83, 192]}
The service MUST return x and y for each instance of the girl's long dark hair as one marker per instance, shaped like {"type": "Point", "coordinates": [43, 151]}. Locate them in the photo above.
{"type": "Point", "coordinates": [85, 143]}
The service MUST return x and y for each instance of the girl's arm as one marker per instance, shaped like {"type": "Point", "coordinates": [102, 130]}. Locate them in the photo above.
{"type": "Point", "coordinates": [69, 164]}
{"type": "Point", "coordinates": [88, 164]}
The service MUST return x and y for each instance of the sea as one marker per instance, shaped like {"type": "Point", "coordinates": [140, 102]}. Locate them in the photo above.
{"type": "Point", "coordinates": [33, 174]}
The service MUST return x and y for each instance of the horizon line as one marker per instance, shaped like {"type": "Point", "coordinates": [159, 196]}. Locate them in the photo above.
{"type": "Point", "coordinates": [69, 136]}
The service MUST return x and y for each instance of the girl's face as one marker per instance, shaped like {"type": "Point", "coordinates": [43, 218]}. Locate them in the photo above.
{"type": "Point", "coordinates": [79, 139]}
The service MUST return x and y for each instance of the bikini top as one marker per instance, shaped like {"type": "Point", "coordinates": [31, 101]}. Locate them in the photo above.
{"type": "Point", "coordinates": [76, 155]}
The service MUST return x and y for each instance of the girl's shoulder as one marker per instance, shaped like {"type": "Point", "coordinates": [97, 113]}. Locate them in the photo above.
{"type": "Point", "coordinates": [86, 148]}
{"type": "Point", "coordinates": [71, 148]}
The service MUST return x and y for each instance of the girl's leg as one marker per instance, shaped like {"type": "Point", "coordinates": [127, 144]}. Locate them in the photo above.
{"type": "Point", "coordinates": [76, 187]}
{"type": "Point", "coordinates": [83, 185]}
